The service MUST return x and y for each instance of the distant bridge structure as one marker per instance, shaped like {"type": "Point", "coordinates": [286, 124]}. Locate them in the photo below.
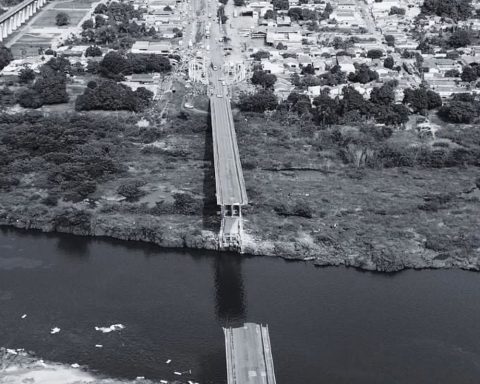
{"type": "Point", "coordinates": [11, 20]}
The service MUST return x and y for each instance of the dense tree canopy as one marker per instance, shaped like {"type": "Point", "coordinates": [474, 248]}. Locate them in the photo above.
{"type": "Point", "coordinates": [363, 74]}
{"type": "Point", "coordinates": [454, 9]}
{"type": "Point", "coordinates": [50, 86]}
{"type": "Point", "coordinates": [459, 38]}
{"type": "Point", "coordinates": [469, 74]}
{"type": "Point", "coordinates": [263, 78]}
{"type": "Point", "coordinates": [111, 96]}
{"type": "Point", "coordinates": [374, 53]}
{"type": "Point", "coordinates": [115, 65]}
{"type": "Point", "coordinates": [421, 99]}
{"type": "Point", "coordinates": [457, 111]}
{"type": "Point", "coordinates": [260, 101]}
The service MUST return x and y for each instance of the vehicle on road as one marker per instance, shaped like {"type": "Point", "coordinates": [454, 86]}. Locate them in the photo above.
{"type": "Point", "coordinates": [215, 68]}
{"type": "Point", "coordinates": [219, 95]}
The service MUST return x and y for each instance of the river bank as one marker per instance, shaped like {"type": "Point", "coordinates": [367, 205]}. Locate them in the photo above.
{"type": "Point", "coordinates": [143, 179]}
{"type": "Point", "coordinates": [389, 252]}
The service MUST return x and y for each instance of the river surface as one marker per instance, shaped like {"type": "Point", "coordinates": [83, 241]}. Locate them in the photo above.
{"type": "Point", "coordinates": [327, 325]}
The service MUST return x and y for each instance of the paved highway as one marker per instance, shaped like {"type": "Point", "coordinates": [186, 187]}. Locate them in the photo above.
{"type": "Point", "coordinates": [230, 184]}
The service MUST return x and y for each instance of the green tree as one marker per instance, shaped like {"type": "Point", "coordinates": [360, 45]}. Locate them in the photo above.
{"type": "Point", "coordinates": [469, 74]}
{"type": "Point", "coordinates": [62, 19]}
{"type": "Point", "coordinates": [88, 24]}
{"type": "Point", "coordinates": [383, 95]}
{"type": "Point", "coordinates": [280, 4]}
{"type": "Point", "coordinates": [264, 79]}
{"type": "Point", "coordinates": [459, 38]}
{"type": "Point", "coordinates": [363, 74]}
{"type": "Point", "coordinates": [259, 55]}
{"type": "Point", "coordinates": [326, 111]}
{"type": "Point", "coordinates": [457, 111]}
{"type": "Point", "coordinates": [29, 98]}
{"type": "Point", "coordinates": [114, 66]}
{"type": "Point", "coordinates": [100, 9]}
{"type": "Point", "coordinates": [389, 62]}
{"type": "Point", "coordinates": [26, 75]}
{"type": "Point", "coordinates": [269, 14]}
{"type": "Point", "coordinates": [51, 85]}
{"type": "Point", "coordinates": [397, 11]}
{"type": "Point", "coordinates": [260, 101]}
{"type": "Point", "coordinates": [452, 73]}
{"type": "Point", "coordinates": [421, 100]}
{"type": "Point", "coordinates": [5, 56]}
{"type": "Point", "coordinates": [454, 9]}
{"type": "Point", "coordinates": [374, 53]}
{"type": "Point", "coordinates": [390, 39]}
{"type": "Point", "coordinates": [93, 51]}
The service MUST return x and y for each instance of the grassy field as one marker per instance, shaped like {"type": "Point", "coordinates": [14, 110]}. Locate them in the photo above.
{"type": "Point", "coordinates": [74, 4]}
{"type": "Point", "coordinates": [47, 18]}
{"type": "Point", "coordinates": [29, 44]}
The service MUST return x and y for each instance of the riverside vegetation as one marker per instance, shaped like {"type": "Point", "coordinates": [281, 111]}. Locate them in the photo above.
{"type": "Point", "coordinates": [361, 195]}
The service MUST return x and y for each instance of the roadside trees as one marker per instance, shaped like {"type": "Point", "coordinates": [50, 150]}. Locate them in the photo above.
{"type": "Point", "coordinates": [263, 78]}
{"type": "Point", "coordinates": [260, 101]}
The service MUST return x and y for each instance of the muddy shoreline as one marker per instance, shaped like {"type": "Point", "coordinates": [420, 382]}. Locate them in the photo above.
{"type": "Point", "coordinates": [170, 233]}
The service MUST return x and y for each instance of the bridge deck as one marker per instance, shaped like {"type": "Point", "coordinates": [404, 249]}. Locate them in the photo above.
{"type": "Point", "coordinates": [249, 355]}
{"type": "Point", "coordinates": [230, 184]}
{"type": "Point", "coordinates": [14, 10]}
